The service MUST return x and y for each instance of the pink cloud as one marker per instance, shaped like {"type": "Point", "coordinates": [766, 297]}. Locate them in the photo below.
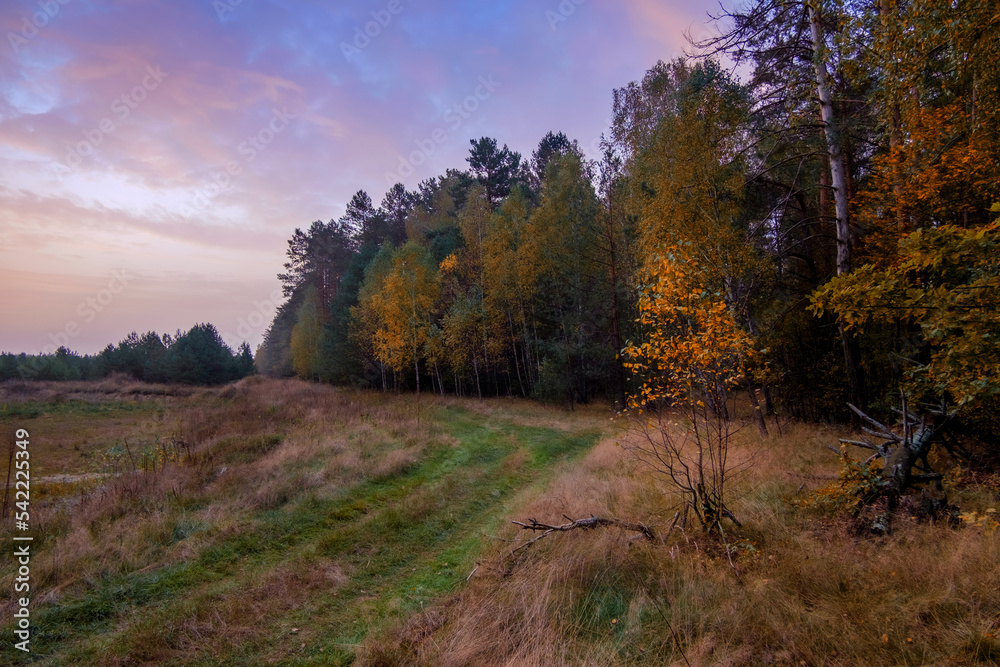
{"type": "Point", "coordinates": [128, 202]}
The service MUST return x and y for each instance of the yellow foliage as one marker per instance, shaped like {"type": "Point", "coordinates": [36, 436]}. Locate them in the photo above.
{"type": "Point", "coordinates": [403, 307]}
{"type": "Point", "coordinates": [692, 344]}
{"type": "Point", "coordinates": [449, 264]}
{"type": "Point", "coordinates": [857, 483]}
{"type": "Point", "coordinates": [394, 316]}
{"type": "Point", "coordinates": [947, 282]}
{"type": "Point", "coordinates": [987, 520]}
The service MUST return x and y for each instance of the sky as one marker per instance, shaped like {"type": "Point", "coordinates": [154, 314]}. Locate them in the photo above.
{"type": "Point", "coordinates": [156, 155]}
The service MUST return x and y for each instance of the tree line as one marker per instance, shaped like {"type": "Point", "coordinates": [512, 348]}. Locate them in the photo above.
{"type": "Point", "coordinates": [492, 280]}
{"type": "Point", "coordinates": [808, 204]}
{"type": "Point", "coordinates": [197, 357]}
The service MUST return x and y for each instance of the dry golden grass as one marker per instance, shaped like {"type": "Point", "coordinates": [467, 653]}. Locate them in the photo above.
{"type": "Point", "coordinates": [248, 446]}
{"type": "Point", "coordinates": [796, 587]}
{"type": "Point", "coordinates": [802, 589]}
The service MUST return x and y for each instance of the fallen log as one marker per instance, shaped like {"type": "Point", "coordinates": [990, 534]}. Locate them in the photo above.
{"type": "Point", "coordinates": [901, 454]}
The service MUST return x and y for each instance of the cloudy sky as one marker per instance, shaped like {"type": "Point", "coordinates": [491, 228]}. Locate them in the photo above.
{"type": "Point", "coordinates": [155, 155]}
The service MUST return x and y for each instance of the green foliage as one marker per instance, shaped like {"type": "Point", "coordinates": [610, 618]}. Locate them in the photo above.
{"type": "Point", "coordinates": [307, 359]}
{"type": "Point", "coordinates": [145, 456]}
{"type": "Point", "coordinates": [496, 169]}
{"type": "Point", "coordinates": [561, 262]}
{"type": "Point", "coordinates": [946, 283]}
{"type": "Point", "coordinates": [200, 357]}
{"type": "Point", "coordinates": [539, 278]}
{"type": "Point", "coordinates": [197, 357]}
{"type": "Point", "coordinates": [343, 357]}
{"type": "Point", "coordinates": [63, 364]}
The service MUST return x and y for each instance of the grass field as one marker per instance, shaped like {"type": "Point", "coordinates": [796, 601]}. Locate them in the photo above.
{"type": "Point", "coordinates": [302, 520]}
{"type": "Point", "coordinates": [289, 523]}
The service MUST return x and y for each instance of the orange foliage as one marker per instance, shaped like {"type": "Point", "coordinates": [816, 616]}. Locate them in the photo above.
{"type": "Point", "coordinates": [692, 347]}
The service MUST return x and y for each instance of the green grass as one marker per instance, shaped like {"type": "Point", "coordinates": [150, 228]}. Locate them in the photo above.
{"type": "Point", "coordinates": [402, 540]}
{"type": "Point", "coordinates": [33, 409]}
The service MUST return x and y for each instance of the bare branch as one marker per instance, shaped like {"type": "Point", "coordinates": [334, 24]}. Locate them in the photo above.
{"type": "Point", "coordinates": [586, 524]}
{"type": "Point", "coordinates": [891, 437]}
{"type": "Point", "coordinates": [913, 421]}
{"type": "Point", "coordinates": [857, 443]}
{"type": "Point", "coordinates": [868, 419]}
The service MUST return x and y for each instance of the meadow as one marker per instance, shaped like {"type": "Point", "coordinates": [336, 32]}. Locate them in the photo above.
{"type": "Point", "coordinates": [283, 522]}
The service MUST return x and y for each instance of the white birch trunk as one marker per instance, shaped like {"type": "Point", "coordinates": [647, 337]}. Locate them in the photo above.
{"type": "Point", "coordinates": [837, 174]}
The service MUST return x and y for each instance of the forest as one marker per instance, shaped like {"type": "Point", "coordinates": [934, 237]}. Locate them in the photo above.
{"type": "Point", "coordinates": [808, 207]}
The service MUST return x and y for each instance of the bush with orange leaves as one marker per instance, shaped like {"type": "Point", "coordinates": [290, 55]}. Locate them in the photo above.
{"type": "Point", "coordinates": [691, 354]}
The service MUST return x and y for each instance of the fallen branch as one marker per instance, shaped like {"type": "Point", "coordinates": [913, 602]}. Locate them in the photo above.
{"type": "Point", "coordinates": [586, 524]}
{"type": "Point", "coordinates": [891, 437]}
{"type": "Point", "coordinates": [868, 419]}
{"type": "Point", "coordinates": [903, 455]}
{"type": "Point", "coordinates": [913, 421]}
{"type": "Point", "coordinates": [857, 443]}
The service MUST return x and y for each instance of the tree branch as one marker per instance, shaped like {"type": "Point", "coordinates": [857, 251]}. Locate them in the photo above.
{"type": "Point", "coordinates": [586, 524]}
{"type": "Point", "coordinates": [857, 443]}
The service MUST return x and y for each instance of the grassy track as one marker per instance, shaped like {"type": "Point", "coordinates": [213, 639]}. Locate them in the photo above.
{"type": "Point", "coordinates": [305, 582]}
